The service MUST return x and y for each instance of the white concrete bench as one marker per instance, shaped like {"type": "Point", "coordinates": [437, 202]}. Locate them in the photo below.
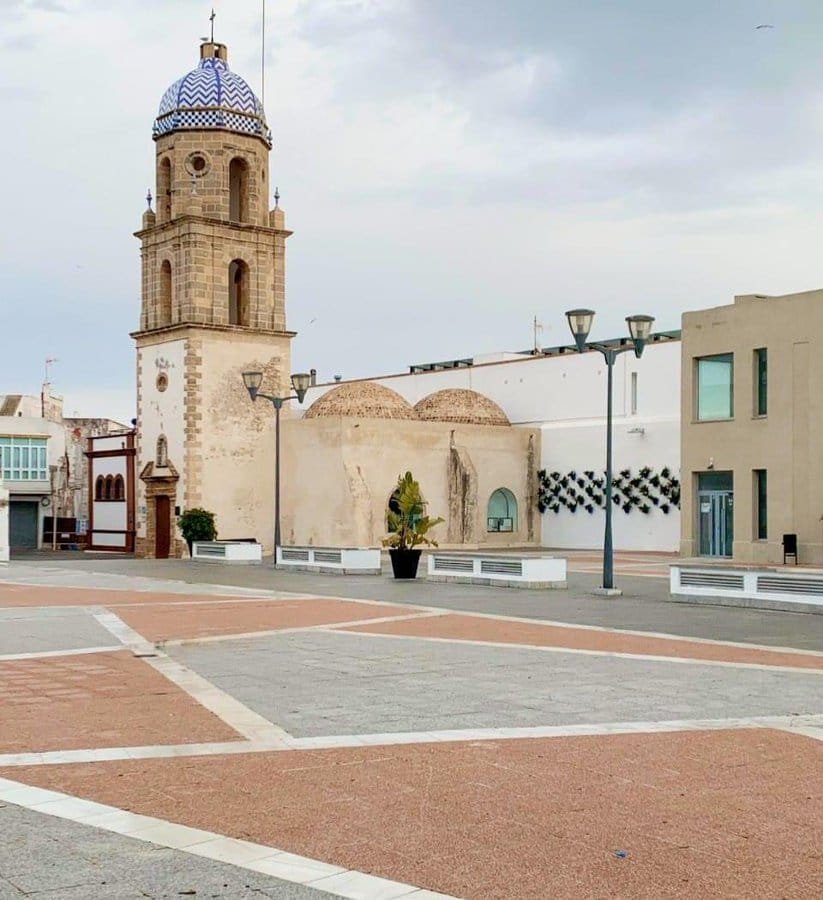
{"type": "Point", "coordinates": [543, 572]}
{"type": "Point", "coordinates": [759, 586]}
{"type": "Point", "coordinates": [227, 552]}
{"type": "Point", "coordinates": [331, 560]}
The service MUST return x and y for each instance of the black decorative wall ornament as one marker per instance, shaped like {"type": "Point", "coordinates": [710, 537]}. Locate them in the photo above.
{"type": "Point", "coordinates": [644, 490]}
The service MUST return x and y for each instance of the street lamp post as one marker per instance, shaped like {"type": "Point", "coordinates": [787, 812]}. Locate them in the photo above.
{"type": "Point", "coordinates": [300, 383]}
{"type": "Point", "coordinates": [640, 327]}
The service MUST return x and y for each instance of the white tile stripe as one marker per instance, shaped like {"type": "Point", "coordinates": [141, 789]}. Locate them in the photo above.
{"type": "Point", "coordinates": [46, 654]}
{"type": "Point", "coordinates": [231, 711]}
{"type": "Point", "coordinates": [248, 635]}
{"type": "Point", "coordinates": [274, 596]}
{"type": "Point", "coordinates": [686, 660]}
{"type": "Point", "coordinates": [266, 860]}
{"type": "Point", "coordinates": [551, 623]}
{"type": "Point", "coordinates": [808, 725]}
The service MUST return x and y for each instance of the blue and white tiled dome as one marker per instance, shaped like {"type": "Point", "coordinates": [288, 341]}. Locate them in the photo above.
{"type": "Point", "coordinates": [211, 96]}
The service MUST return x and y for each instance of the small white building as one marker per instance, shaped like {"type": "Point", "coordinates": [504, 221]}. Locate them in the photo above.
{"type": "Point", "coordinates": [563, 394]}
{"type": "Point", "coordinates": [32, 451]}
{"type": "Point", "coordinates": [112, 491]}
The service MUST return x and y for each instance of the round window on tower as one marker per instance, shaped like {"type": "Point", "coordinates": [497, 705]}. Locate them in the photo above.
{"type": "Point", "coordinates": [162, 382]}
{"type": "Point", "coordinates": [197, 164]}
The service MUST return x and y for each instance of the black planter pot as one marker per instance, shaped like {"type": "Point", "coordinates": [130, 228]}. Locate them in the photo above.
{"type": "Point", "coordinates": [404, 562]}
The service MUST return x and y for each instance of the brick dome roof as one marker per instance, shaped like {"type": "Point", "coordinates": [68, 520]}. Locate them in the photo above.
{"type": "Point", "coordinates": [460, 405]}
{"type": "Point", "coordinates": [362, 399]}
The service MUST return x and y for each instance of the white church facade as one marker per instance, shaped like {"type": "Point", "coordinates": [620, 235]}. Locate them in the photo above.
{"type": "Point", "coordinates": [509, 450]}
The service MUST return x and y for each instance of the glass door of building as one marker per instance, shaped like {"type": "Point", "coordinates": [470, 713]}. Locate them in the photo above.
{"type": "Point", "coordinates": [716, 522]}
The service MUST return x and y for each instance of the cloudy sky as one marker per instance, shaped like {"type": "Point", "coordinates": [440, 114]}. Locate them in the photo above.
{"type": "Point", "coordinates": [451, 168]}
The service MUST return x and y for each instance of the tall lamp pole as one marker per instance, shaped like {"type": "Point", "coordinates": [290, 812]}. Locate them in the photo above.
{"type": "Point", "coordinates": [300, 383]}
{"type": "Point", "coordinates": [640, 327]}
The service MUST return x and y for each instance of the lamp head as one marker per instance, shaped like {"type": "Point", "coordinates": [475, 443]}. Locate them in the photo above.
{"type": "Point", "coordinates": [640, 329]}
{"type": "Point", "coordinates": [252, 381]}
{"type": "Point", "coordinates": [580, 323]}
{"type": "Point", "coordinates": [301, 382]}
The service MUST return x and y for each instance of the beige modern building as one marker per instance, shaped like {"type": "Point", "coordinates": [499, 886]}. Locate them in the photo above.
{"type": "Point", "coordinates": [752, 428]}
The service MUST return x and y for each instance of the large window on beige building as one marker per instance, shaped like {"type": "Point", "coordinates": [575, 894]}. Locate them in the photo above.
{"type": "Point", "coordinates": [715, 387]}
{"type": "Point", "coordinates": [761, 381]}
{"type": "Point", "coordinates": [761, 509]}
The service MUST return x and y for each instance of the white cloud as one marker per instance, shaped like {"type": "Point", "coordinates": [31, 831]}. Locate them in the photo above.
{"type": "Point", "coordinates": [449, 169]}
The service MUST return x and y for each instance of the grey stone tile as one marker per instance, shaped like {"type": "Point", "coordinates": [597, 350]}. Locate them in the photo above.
{"type": "Point", "coordinates": [47, 857]}
{"type": "Point", "coordinates": [377, 684]}
{"type": "Point", "coordinates": [39, 631]}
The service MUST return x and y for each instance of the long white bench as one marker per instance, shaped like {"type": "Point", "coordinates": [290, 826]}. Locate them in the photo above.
{"type": "Point", "coordinates": [763, 585]}
{"type": "Point", "coordinates": [331, 560]}
{"type": "Point", "coordinates": [227, 552]}
{"type": "Point", "coordinates": [543, 572]}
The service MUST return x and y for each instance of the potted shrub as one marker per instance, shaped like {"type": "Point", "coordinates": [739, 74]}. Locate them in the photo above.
{"type": "Point", "coordinates": [408, 527]}
{"type": "Point", "coordinates": [197, 525]}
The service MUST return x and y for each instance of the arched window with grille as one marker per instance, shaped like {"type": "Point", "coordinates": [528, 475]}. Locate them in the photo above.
{"type": "Point", "coordinates": [109, 489]}
{"type": "Point", "coordinates": [164, 295]}
{"type": "Point", "coordinates": [100, 488]}
{"type": "Point", "coordinates": [239, 190]}
{"type": "Point", "coordinates": [238, 293]}
{"type": "Point", "coordinates": [164, 187]}
{"type": "Point", "coordinates": [501, 513]}
{"type": "Point", "coordinates": [119, 488]}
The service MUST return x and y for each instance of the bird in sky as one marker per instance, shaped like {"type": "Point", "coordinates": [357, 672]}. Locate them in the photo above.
{"type": "Point", "coordinates": [758, 27]}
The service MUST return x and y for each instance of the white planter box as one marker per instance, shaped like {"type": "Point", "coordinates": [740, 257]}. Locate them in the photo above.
{"type": "Point", "coordinates": [227, 552]}
{"type": "Point", "coordinates": [546, 572]}
{"type": "Point", "coordinates": [340, 560]}
{"type": "Point", "coordinates": [743, 583]}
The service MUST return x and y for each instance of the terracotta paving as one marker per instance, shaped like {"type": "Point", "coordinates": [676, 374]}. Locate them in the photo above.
{"type": "Point", "coordinates": [14, 595]}
{"type": "Point", "coordinates": [477, 628]}
{"type": "Point", "coordinates": [97, 700]}
{"type": "Point", "coordinates": [664, 815]}
{"type": "Point", "coordinates": [158, 622]}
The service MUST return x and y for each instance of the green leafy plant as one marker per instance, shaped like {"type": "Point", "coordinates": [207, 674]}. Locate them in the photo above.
{"type": "Point", "coordinates": [197, 525]}
{"type": "Point", "coordinates": [408, 523]}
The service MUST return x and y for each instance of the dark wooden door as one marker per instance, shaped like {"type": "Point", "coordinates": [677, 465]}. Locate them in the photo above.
{"type": "Point", "coordinates": [162, 533]}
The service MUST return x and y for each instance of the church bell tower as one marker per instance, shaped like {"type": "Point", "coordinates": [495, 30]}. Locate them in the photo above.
{"type": "Point", "coordinates": [213, 305]}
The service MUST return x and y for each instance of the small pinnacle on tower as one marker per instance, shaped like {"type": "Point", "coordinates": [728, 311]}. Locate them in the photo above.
{"type": "Point", "coordinates": [277, 198]}
{"type": "Point", "coordinates": [212, 17]}
{"type": "Point", "coordinates": [148, 201]}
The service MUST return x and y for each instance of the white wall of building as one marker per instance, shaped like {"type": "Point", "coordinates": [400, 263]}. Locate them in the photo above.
{"type": "Point", "coordinates": [31, 426]}
{"type": "Point", "coordinates": [537, 389]}
{"type": "Point", "coordinates": [580, 446]}
{"type": "Point", "coordinates": [162, 412]}
{"type": "Point", "coordinates": [565, 396]}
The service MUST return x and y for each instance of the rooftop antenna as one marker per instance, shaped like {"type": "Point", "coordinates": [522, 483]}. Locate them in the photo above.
{"type": "Point", "coordinates": [50, 360]}
{"type": "Point", "coordinates": [263, 59]}
{"type": "Point", "coordinates": [212, 17]}
{"type": "Point", "coordinates": [537, 329]}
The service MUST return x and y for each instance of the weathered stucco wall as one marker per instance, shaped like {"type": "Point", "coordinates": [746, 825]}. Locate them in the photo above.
{"type": "Point", "coordinates": [339, 473]}
{"type": "Point", "coordinates": [231, 444]}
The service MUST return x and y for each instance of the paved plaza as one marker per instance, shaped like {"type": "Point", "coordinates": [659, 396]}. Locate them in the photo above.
{"type": "Point", "coordinates": [171, 729]}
